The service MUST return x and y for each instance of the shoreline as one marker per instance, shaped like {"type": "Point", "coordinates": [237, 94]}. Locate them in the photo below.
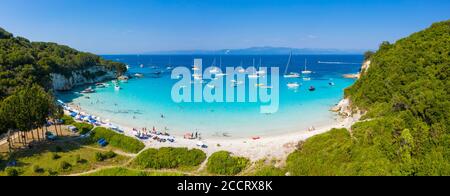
{"type": "Point", "coordinates": [267, 147]}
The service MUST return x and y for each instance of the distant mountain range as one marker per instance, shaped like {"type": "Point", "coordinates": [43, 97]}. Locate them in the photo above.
{"type": "Point", "coordinates": [263, 51]}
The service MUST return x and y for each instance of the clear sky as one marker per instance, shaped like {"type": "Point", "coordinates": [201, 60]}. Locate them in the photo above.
{"type": "Point", "coordinates": [138, 26]}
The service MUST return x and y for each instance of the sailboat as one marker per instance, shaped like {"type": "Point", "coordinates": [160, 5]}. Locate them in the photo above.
{"type": "Point", "coordinates": [169, 67]}
{"type": "Point", "coordinates": [214, 70]}
{"type": "Point", "coordinates": [220, 74]}
{"type": "Point", "coordinates": [241, 69]}
{"type": "Point", "coordinates": [292, 74]}
{"type": "Point", "coordinates": [260, 72]}
{"type": "Point", "coordinates": [306, 71]}
{"type": "Point", "coordinates": [254, 75]}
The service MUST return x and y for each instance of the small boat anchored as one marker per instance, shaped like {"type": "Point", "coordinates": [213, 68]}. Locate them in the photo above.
{"type": "Point", "coordinates": [291, 74]}
{"type": "Point", "coordinates": [101, 85]}
{"type": "Point", "coordinates": [117, 87]}
{"type": "Point", "coordinates": [88, 91]}
{"type": "Point", "coordinates": [139, 75]}
{"type": "Point", "coordinates": [306, 71]}
{"type": "Point", "coordinates": [293, 85]}
{"type": "Point", "coordinates": [312, 88]}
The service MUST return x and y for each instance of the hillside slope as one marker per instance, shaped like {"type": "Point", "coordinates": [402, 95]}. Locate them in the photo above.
{"type": "Point", "coordinates": [23, 63]}
{"type": "Point", "coordinates": [406, 95]}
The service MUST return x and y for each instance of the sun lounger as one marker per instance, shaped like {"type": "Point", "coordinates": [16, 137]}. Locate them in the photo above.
{"type": "Point", "coordinates": [102, 142]}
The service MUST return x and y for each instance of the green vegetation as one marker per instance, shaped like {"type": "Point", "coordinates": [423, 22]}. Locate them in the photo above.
{"type": "Point", "coordinates": [262, 168]}
{"type": "Point", "coordinates": [83, 128]}
{"type": "Point", "coordinates": [68, 120]}
{"type": "Point", "coordinates": [104, 156]}
{"type": "Point", "coordinates": [406, 95]}
{"type": "Point", "coordinates": [169, 158]}
{"type": "Point", "coordinates": [120, 171]}
{"type": "Point", "coordinates": [25, 82]}
{"type": "Point", "coordinates": [223, 163]}
{"type": "Point", "coordinates": [120, 141]}
{"type": "Point", "coordinates": [27, 109]}
{"type": "Point", "coordinates": [71, 159]}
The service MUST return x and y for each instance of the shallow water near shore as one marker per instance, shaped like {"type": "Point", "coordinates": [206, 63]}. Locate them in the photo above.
{"type": "Point", "coordinates": [147, 102]}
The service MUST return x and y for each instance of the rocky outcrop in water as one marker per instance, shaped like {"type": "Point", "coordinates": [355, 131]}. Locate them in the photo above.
{"type": "Point", "coordinates": [81, 77]}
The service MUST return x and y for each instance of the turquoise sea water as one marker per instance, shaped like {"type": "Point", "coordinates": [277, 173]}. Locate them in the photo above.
{"type": "Point", "coordinates": [147, 102]}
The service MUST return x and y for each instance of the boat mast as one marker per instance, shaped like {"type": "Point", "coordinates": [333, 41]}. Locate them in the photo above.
{"type": "Point", "coordinates": [306, 61]}
{"type": "Point", "coordinates": [260, 63]}
{"type": "Point", "coordinates": [289, 62]}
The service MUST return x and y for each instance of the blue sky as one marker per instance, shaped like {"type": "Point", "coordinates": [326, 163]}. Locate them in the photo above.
{"type": "Point", "coordinates": [139, 26]}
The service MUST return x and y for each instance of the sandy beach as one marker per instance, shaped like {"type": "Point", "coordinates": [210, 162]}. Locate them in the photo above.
{"type": "Point", "coordinates": [267, 147]}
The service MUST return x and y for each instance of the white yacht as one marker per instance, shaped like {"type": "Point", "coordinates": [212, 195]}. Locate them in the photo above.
{"type": "Point", "coordinates": [291, 74]}
{"type": "Point", "coordinates": [306, 71]}
{"type": "Point", "coordinates": [293, 85]}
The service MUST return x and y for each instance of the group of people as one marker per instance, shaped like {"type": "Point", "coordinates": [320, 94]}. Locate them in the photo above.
{"type": "Point", "coordinates": [194, 135]}
{"type": "Point", "coordinates": [154, 134]}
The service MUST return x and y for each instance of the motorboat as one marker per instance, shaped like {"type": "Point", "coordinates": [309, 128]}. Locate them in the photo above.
{"type": "Point", "coordinates": [117, 87]}
{"type": "Point", "coordinates": [139, 75]}
{"type": "Point", "coordinates": [88, 90]}
{"type": "Point", "coordinates": [293, 85]}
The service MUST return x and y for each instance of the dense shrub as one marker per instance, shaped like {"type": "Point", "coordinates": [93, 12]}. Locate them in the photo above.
{"type": "Point", "coordinates": [37, 169]}
{"type": "Point", "coordinates": [24, 64]}
{"type": "Point", "coordinates": [64, 166]}
{"type": "Point", "coordinates": [169, 158]}
{"type": "Point", "coordinates": [83, 128]}
{"type": "Point", "coordinates": [125, 143]}
{"type": "Point", "coordinates": [406, 129]}
{"type": "Point", "coordinates": [104, 156]}
{"type": "Point", "coordinates": [68, 120]}
{"type": "Point", "coordinates": [99, 157]}
{"type": "Point", "coordinates": [55, 156]}
{"type": "Point", "coordinates": [322, 154]}
{"type": "Point", "coordinates": [10, 171]}
{"type": "Point", "coordinates": [223, 163]}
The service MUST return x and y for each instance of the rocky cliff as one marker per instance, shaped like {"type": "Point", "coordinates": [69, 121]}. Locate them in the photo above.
{"type": "Point", "coordinates": [81, 77]}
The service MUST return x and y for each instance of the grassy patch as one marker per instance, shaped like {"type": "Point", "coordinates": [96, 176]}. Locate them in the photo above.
{"type": "Point", "coordinates": [323, 154]}
{"type": "Point", "coordinates": [120, 171]}
{"type": "Point", "coordinates": [169, 158]}
{"type": "Point", "coordinates": [83, 128]}
{"type": "Point", "coordinates": [68, 120]}
{"type": "Point", "coordinates": [222, 163]}
{"type": "Point", "coordinates": [58, 159]}
{"type": "Point", "coordinates": [261, 168]}
{"type": "Point", "coordinates": [122, 142]}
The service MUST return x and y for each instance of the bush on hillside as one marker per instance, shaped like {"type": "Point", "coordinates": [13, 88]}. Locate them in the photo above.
{"type": "Point", "coordinates": [223, 163]}
{"type": "Point", "coordinates": [169, 158]}
{"type": "Point", "coordinates": [120, 141]}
